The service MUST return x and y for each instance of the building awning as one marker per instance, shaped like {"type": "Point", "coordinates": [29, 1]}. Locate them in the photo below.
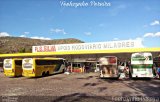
{"type": "Point", "coordinates": [41, 54]}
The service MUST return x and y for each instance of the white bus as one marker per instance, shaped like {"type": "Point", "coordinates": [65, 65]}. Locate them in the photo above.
{"type": "Point", "coordinates": [108, 67]}
{"type": "Point", "coordinates": [141, 65]}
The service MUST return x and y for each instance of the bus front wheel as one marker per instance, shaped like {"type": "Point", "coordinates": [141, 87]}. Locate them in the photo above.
{"type": "Point", "coordinates": [47, 73]}
{"type": "Point", "coordinates": [43, 74]}
{"type": "Point", "coordinates": [130, 75]}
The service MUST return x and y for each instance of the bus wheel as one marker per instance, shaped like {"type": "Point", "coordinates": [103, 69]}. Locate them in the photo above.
{"type": "Point", "coordinates": [130, 75]}
{"type": "Point", "coordinates": [47, 73]}
{"type": "Point", "coordinates": [43, 74]}
{"type": "Point", "coordinates": [63, 71]}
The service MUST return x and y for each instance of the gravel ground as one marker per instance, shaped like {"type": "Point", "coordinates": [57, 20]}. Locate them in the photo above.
{"type": "Point", "coordinates": [74, 87]}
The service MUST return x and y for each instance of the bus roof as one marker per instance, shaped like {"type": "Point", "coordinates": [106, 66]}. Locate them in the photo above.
{"type": "Point", "coordinates": [47, 58]}
{"type": "Point", "coordinates": [13, 58]}
{"type": "Point", "coordinates": [108, 56]}
{"type": "Point", "coordinates": [142, 53]}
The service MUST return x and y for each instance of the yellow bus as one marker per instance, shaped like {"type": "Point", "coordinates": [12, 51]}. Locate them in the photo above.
{"type": "Point", "coordinates": [36, 67]}
{"type": "Point", "coordinates": [12, 67]}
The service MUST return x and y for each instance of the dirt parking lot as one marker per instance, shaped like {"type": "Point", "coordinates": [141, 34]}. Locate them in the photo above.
{"type": "Point", "coordinates": [74, 87]}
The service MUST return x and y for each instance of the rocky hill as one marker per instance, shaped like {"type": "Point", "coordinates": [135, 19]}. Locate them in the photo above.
{"type": "Point", "coordinates": [21, 45]}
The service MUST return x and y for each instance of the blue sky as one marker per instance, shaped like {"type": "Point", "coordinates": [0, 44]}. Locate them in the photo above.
{"type": "Point", "coordinates": [48, 19]}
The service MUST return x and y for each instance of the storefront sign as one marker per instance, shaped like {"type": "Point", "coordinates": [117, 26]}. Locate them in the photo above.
{"type": "Point", "coordinates": [88, 46]}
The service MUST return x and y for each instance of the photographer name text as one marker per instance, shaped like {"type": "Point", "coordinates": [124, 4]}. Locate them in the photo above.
{"type": "Point", "coordinates": [85, 4]}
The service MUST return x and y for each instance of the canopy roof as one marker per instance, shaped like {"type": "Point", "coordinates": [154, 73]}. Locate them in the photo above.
{"type": "Point", "coordinates": [37, 54]}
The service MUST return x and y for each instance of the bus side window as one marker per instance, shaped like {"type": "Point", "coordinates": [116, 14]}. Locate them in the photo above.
{"type": "Point", "coordinates": [49, 62]}
{"type": "Point", "coordinates": [42, 62]}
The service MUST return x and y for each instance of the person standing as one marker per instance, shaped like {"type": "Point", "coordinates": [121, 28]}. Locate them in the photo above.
{"type": "Point", "coordinates": [158, 72]}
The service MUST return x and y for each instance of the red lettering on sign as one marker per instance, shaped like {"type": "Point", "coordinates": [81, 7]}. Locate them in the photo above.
{"type": "Point", "coordinates": [53, 48]}
{"type": "Point", "coordinates": [40, 49]}
{"type": "Point", "coordinates": [45, 49]}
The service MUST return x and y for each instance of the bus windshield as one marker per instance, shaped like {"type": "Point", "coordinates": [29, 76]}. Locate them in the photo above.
{"type": "Point", "coordinates": [27, 63]}
{"type": "Point", "coordinates": [7, 63]}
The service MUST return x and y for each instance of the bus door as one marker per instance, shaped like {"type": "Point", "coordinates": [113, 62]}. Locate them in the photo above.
{"type": "Point", "coordinates": [18, 67]}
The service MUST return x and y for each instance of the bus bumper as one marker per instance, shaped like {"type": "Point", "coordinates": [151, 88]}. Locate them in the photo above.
{"type": "Point", "coordinates": [109, 76]}
{"type": "Point", "coordinates": [28, 75]}
{"type": "Point", "coordinates": [10, 74]}
{"type": "Point", "coordinates": [142, 75]}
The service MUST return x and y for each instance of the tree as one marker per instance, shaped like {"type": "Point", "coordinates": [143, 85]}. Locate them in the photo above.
{"type": "Point", "coordinates": [22, 50]}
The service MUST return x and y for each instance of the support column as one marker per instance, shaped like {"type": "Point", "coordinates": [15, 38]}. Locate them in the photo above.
{"type": "Point", "coordinates": [71, 67]}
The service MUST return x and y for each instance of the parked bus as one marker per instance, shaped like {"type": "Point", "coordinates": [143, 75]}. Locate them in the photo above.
{"type": "Point", "coordinates": [36, 67]}
{"type": "Point", "coordinates": [141, 65]}
{"type": "Point", "coordinates": [108, 67]}
{"type": "Point", "coordinates": [12, 67]}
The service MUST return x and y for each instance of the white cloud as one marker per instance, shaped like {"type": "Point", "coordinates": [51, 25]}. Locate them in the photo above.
{"type": "Point", "coordinates": [42, 38]}
{"type": "Point", "coordinates": [88, 33]}
{"type": "Point", "coordinates": [3, 34]}
{"type": "Point", "coordinates": [139, 39]}
{"type": "Point", "coordinates": [58, 31]}
{"type": "Point", "coordinates": [157, 34]}
{"type": "Point", "coordinates": [156, 22]}
{"type": "Point", "coordinates": [26, 32]}
{"type": "Point", "coordinates": [148, 35]}
{"type": "Point", "coordinates": [22, 36]}
{"type": "Point", "coordinates": [115, 39]}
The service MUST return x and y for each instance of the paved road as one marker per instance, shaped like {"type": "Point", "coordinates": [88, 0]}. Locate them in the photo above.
{"type": "Point", "coordinates": [74, 87]}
